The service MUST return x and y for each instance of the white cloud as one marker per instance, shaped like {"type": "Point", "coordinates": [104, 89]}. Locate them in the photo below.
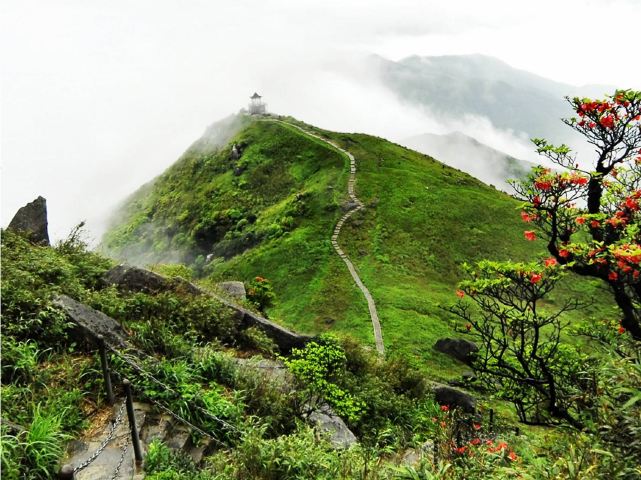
{"type": "Point", "coordinates": [98, 97]}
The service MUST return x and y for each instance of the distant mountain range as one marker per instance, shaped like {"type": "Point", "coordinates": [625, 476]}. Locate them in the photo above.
{"type": "Point", "coordinates": [455, 85]}
{"type": "Point", "coordinates": [465, 153]}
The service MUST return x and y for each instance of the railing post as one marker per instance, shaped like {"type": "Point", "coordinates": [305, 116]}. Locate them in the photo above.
{"type": "Point", "coordinates": [132, 421]}
{"type": "Point", "coordinates": [66, 472]}
{"type": "Point", "coordinates": [106, 373]}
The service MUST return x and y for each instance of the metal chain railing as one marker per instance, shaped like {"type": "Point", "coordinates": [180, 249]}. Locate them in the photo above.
{"type": "Point", "coordinates": [68, 471]}
{"type": "Point", "coordinates": [112, 430]}
{"type": "Point", "coordinates": [124, 450]}
{"type": "Point", "coordinates": [127, 358]}
{"type": "Point", "coordinates": [175, 415]}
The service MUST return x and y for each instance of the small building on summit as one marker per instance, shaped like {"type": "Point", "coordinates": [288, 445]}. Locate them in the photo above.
{"type": "Point", "coordinates": [256, 105]}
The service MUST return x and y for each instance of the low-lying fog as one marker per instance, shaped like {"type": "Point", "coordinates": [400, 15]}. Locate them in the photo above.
{"type": "Point", "coordinates": [100, 97]}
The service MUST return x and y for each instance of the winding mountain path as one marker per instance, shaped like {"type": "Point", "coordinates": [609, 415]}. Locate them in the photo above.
{"type": "Point", "coordinates": [356, 206]}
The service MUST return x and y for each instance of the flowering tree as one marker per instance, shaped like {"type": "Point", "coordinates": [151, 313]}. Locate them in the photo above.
{"type": "Point", "coordinates": [521, 354]}
{"type": "Point", "coordinates": [590, 217]}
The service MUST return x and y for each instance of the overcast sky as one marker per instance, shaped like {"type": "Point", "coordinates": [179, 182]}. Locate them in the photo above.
{"type": "Point", "coordinates": [98, 97]}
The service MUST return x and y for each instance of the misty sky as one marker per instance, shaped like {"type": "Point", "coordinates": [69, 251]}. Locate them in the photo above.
{"type": "Point", "coordinates": [98, 97]}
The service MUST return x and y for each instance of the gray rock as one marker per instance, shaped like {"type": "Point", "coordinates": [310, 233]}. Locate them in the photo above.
{"type": "Point", "coordinates": [272, 371]}
{"type": "Point", "coordinates": [138, 279]}
{"type": "Point", "coordinates": [235, 153]}
{"type": "Point", "coordinates": [92, 322]}
{"type": "Point", "coordinates": [32, 221]}
{"type": "Point", "coordinates": [234, 289]}
{"type": "Point", "coordinates": [453, 397]}
{"type": "Point", "coordinates": [459, 348]}
{"type": "Point", "coordinates": [349, 205]}
{"type": "Point", "coordinates": [327, 421]}
{"type": "Point", "coordinates": [413, 456]}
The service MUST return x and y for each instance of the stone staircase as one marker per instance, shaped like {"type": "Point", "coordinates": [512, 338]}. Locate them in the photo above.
{"type": "Point", "coordinates": [116, 460]}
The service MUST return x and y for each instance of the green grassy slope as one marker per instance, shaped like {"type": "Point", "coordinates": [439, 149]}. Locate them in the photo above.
{"type": "Point", "coordinates": [422, 221]}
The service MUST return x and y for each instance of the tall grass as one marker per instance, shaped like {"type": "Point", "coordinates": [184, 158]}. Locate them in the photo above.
{"type": "Point", "coordinates": [34, 454]}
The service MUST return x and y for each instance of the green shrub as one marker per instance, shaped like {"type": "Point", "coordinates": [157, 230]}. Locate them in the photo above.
{"type": "Point", "coordinates": [319, 367]}
{"type": "Point", "coordinates": [260, 293]}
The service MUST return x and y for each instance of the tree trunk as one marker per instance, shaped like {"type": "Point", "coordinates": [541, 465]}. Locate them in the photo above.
{"type": "Point", "coordinates": [631, 316]}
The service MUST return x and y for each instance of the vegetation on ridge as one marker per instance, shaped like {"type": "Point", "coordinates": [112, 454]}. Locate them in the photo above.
{"type": "Point", "coordinates": [402, 243]}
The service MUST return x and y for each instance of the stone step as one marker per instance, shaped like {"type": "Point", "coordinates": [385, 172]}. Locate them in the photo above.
{"type": "Point", "coordinates": [198, 451]}
{"type": "Point", "coordinates": [156, 428]}
{"type": "Point", "coordinates": [105, 464]}
{"type": "Point", "coordinates": [179, 438]}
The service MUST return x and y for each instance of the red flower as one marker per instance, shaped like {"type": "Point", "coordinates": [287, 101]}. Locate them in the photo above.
{"type": "Point", "coordinates": [445, 408]}
{"type": "Point", "coordinates": [631, 204]}
{"type": "Point", "coordinates": [613, 276]}
{"type": "Point", "coordinates": [563, 253]}
{"type": "Point", "coordinates": [475, 441]}
{"type": "Point", "coordinates": [550, 262]}
{"type": "Point", "coordinates": [543, 184]}
{"type": "Point", "coordinates": [468, 326]}
{"type": "Point", "coordinates": [460, 293]}
{"type": "Point", "coordinates": [580, 220]}
{"type": "Point", "coordinates": [621, 330]}
{"type": "Point", "coordinates": [607, 121]}
{"type": "Point", "coordinates": [536, 200]}
{"type": "Point", "coordinates": [512, 456]}
{"type": "Point", "coordinates": [526, 217]}
{"type": "Point", "coordinates": [476, 426]}
{"type": "Point", "coordinates": [529, 235]}
{"type": "Point", "coordinates": [595, 224]}
{"type": "Point", "coordinates": [460, 450]}
{"type": "Point", "coordinates": [580, 180]}
{"type": "Point", "coordinates": [535, 278]}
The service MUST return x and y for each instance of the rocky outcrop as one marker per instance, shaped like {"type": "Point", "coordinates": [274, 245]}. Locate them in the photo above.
{"type": "Point", "coordinates": [138, 279]}
{"type": "Point", "coordinates": [31, 220]}
{"type": "Point", "coordinates": [339, 435]}
{"type": "Point", "coordinates": [234, 289]}
{"type": "Point", "coordinates": [320, 415]}
{"type": "Point", "coordinates": [461, 349]}
{"type": "Point", "coordinates": [455, 398]}
{"type": "Point", "coordinates": [91, 322]}
{"type": "Point", "coordinates": [135, 279]}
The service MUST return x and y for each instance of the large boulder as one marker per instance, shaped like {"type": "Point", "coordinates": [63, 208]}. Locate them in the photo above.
{"type": "Point", "coordinates": [459, 348]}
{"type": "Point", "coordinates": [324, 418]}
{"type": "Point", "coordinates": [135, 279]}
{"type": "Point", "coordinates": [455, 398]}
{"type": "Point", "coordinates": [32, 221]}
{"type": "Point", "coordinates": [234, 289]}
{"type": "Point", "coordinates": [92, 322]}
{"type": "Point", "coordinates": [130, 278]}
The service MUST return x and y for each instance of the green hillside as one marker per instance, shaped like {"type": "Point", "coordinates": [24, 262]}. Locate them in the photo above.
{"type": "Point", "coordinates": [271, 213]}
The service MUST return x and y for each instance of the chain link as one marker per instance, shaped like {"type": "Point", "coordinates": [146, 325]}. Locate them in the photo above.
{"type": "Point", "coordinates": [124, 449]}
{"type": "Point", "coordinates": [105, 442]}
{"type": "Point", "coordinates": [184, 421]}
